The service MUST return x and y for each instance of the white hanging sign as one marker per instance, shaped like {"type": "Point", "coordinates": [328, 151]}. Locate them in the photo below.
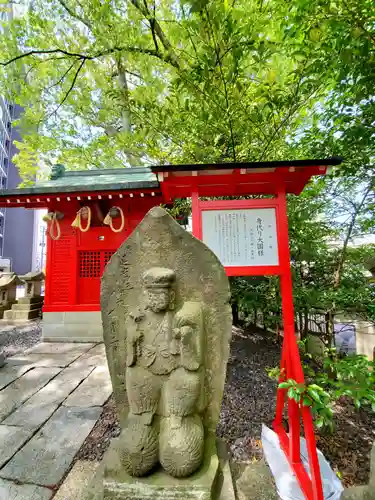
{"type": "Point", "coordinates": [242, 237]}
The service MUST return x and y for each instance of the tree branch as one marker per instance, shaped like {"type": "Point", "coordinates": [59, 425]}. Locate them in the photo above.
{"type": "Point", "coordinates": [70, 88]}
{"type": "Point", "coordinates": [75, 15]}
{"type": "Point", "coordinates": [136, 75]}
{"type": "Point", "coordinates": [152, 21]}
{"type": "Point", "coordinates": [38, 52]}
{"type": "Point", "coordinates": [63, 76]}
{"type": "Point", "coordinates": [87, 57]}
{"type": "Point", "coordinates": [340, 264]}
{"type": "Point", "coordinates": [172, 58]}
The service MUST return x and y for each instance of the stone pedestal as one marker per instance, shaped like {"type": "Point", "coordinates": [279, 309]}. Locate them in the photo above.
{"type": "Point", "coordinates": [118, 484]}
{"type": "Point", "coordinates": [212, 481]}
{"type": "Point", "coordinates": [26, 308]}
{"type": "Point", "coordinates": [72, 326]}
{"type": "Point", "coordinates": [8, 291]}
{"type": "Point", "coordinates": [4, 309]}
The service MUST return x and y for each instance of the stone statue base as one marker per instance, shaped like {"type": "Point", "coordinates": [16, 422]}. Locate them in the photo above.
{"type": "Point", "coordinates": [112, 482]}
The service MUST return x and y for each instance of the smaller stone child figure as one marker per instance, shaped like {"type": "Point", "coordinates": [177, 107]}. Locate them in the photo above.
{"type": "Point", "coordinates": [164, 381]}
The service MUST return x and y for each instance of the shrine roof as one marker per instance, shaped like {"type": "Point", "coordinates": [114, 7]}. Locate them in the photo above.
{"type": "Point", "coordinates": [239, 179]}
{"type": "Point", "coordinates": [91, 180]}
{"type": "Point", "coordinates": [171, 181]}
{"type": "Point", "coordinates": [248, 165]}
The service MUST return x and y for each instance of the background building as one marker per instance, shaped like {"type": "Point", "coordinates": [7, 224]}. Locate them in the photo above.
{"type": "Point", "coordinates": [39, 241]}
{"type": "Point", "coordinates": [17, 225]}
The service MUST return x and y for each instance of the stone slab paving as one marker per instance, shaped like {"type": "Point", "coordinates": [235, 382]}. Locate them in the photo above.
{"type": "Point", "coordinates": [23, 388]}
{"type": "Point", "coordinates": [43, 404]}
{"type": "Point", "coordinates": [12, 491]}
{"type": "Point", "coordinates": [95, 357]}
{"type": "Point", "coordinates": [50, 399]}
{"type": "Point", "coordinates": [31, 416]}
{"type": "Point", "coordinates": [10, 373]}
{"type": "Point", "coordinates": [59, 348]}
{"type": "Point", "coordinates": [11, 440]}
{"type": "Point", "coordinates": [87, 394]}
{"type": "Point", "coordinates": [45, 459]}
{"type": "Point", "coordinates": [44, 359]}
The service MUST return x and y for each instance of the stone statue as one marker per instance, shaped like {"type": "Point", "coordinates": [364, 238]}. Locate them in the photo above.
{"type": "Point", "coordinates": [164, 377]}
{"type": "Point", "coordinates": [167, 327]}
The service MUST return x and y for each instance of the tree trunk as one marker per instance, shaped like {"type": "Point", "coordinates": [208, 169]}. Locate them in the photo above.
{"type": "Point", "coordinates": [330, 332]}
{"type": "Point", "coordinates": [300, 324]}
{"type": "Point", "coordinates": [235, 314]}
{"type": "Point", "coordinates": [126, 118]}
{"type": "Point", "coordinates": [330, 329]}
{"type": "Point", "coordinates": [306, 323]}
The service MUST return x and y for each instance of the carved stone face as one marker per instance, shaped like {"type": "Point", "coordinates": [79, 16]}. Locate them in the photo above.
{"type": "Point", "coordinates": [158, 299]}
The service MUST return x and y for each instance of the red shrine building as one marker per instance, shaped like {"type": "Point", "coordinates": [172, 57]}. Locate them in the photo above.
{"type": "Point", "coordinates": [92, 212]}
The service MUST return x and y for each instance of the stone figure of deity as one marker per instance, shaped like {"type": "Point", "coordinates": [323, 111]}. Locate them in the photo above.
{"type": "Point", "coordinates": [164, 381]}
{"type": "Point", "coordinates": [166, 328]}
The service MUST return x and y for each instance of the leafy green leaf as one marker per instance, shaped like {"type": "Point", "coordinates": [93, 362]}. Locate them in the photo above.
{"type": "Point", "coordinates": [292, 394]}
{"type": "Point", "coordinates": [319, 422]}
{"type": "Point", "coordinates": [313, 394]}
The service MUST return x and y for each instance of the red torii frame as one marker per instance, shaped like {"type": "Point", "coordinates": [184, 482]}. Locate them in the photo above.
{"type": "Point", "coordinates": [291, 367]}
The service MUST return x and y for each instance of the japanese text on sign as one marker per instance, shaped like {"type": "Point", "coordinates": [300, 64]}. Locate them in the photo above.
{"type": "Point", "coordinates": [242, 237]}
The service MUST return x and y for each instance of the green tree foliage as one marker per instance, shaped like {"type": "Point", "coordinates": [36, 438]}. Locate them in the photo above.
{"type": "Point", "coordinates": [338, 38]}
{"type": "Point", "coordinates": [125, 82]}
{"type": "Point", "coordinates": [119, 82]}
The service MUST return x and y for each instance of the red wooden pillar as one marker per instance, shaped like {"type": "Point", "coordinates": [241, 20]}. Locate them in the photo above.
{"type": "Point", "coordinates": [196, 215]}
{"type": "Point", "coordinates": [286, 287]}
{"type": "Point", "coordinates": [48, 282]}
{"type": "Point", "coordinates": [73, 290]}
{"type": "Point", "coordinates": [291, 364]}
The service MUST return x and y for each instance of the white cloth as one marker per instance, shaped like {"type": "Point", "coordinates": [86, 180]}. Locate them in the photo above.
{"type": "Point", "coordinates": [286, 482]}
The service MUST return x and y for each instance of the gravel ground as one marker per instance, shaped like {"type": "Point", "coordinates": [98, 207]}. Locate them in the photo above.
{"type": "Point", "coordinates": [348, 449]}
{"type": "Point", "coordinates": [249, 394]}
{"type": "Point", "coordinates": [15, 339]}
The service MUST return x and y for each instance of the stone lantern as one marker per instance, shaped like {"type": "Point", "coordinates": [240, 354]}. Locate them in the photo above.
{"type": "Point", "coordinates": [33, 284]}
{"type": "Point", "coordinates": [29, 306]}
{"type": "Point", "coordinates": [8, 291]}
